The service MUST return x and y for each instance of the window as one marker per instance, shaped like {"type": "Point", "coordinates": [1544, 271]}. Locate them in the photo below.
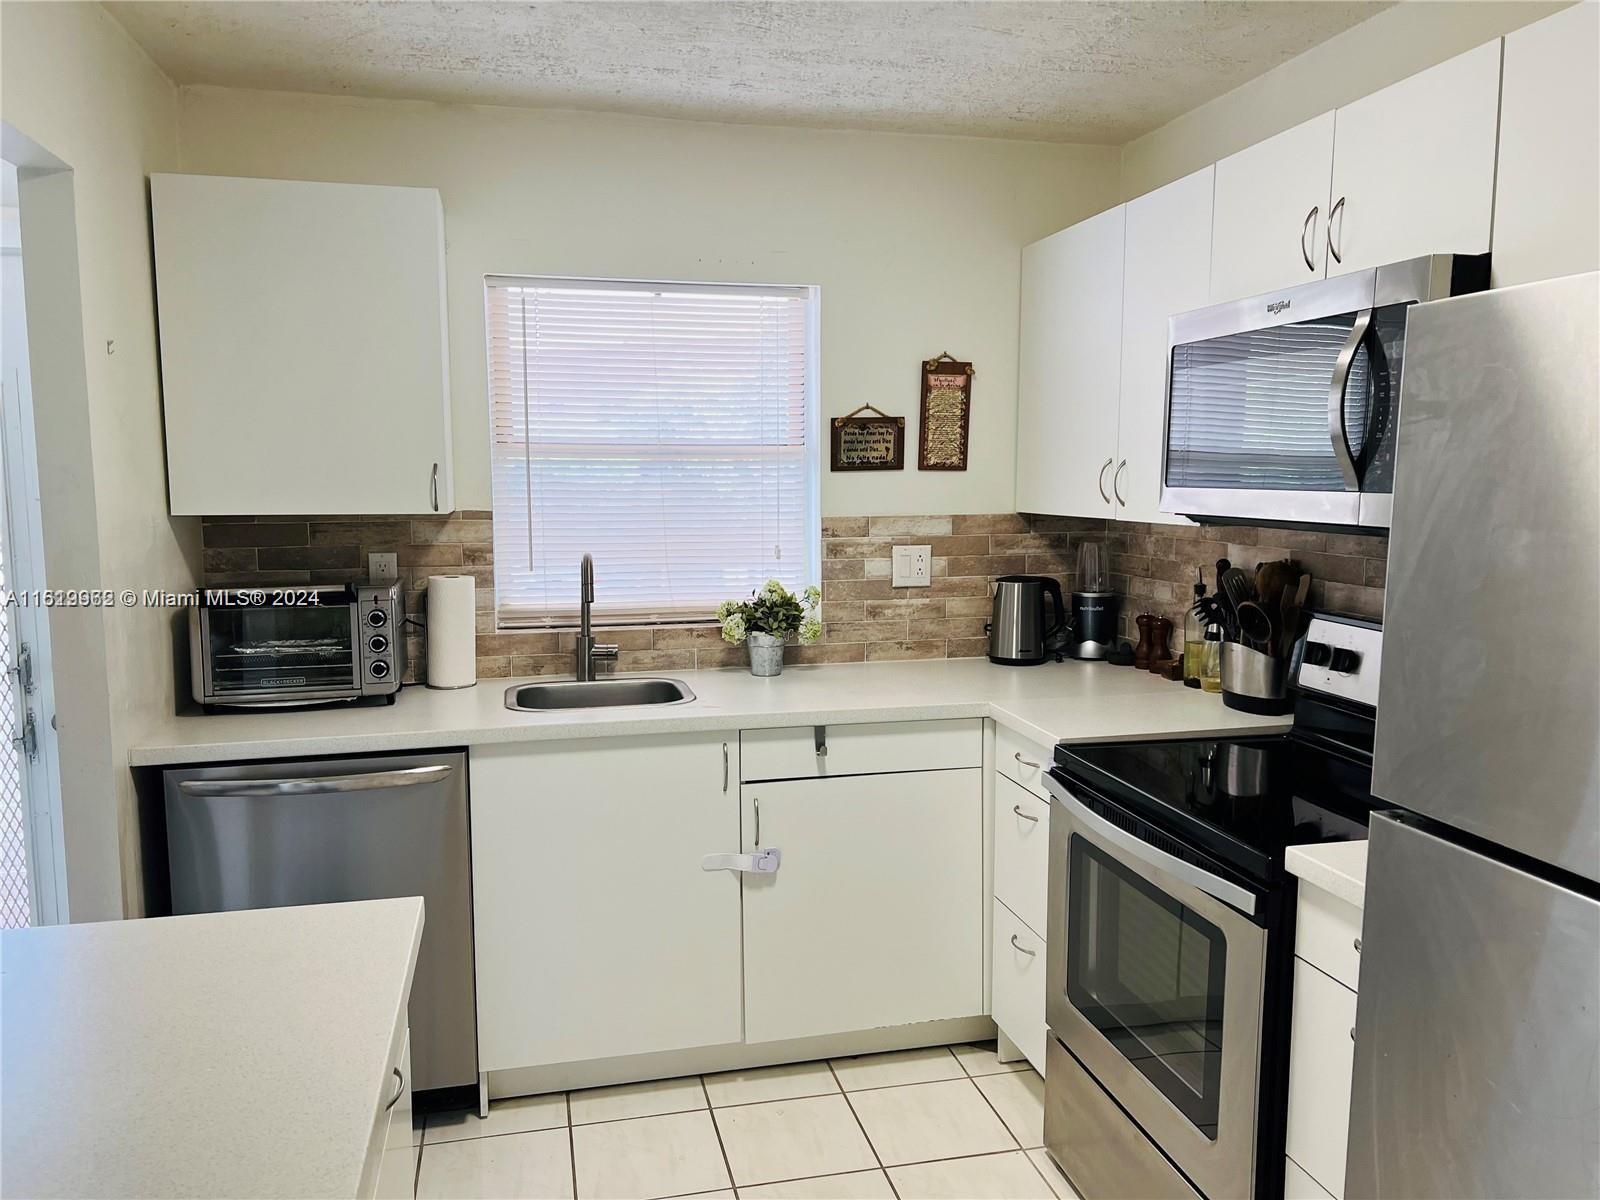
{"type": "Point", "coordinates": [668, 429]}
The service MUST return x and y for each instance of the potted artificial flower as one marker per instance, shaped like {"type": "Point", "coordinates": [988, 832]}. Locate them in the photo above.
{"type": "Point", "coordinates": [771, 616]}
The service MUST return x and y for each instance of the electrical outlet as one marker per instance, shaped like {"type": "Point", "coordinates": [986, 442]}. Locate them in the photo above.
{"type": "Point", "coordinates": [911, 566]}
{"type": "Point", "coordinates": [383, 568]}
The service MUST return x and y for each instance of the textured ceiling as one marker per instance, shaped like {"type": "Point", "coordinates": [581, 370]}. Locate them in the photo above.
{"type": "Point", "coordinates": [1072, 70]}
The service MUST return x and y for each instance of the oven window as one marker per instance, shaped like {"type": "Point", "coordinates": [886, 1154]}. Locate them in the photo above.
{"type": "Point", "coordinates": [281, 649]}
{"type": "Point", "coordinates": [1147, 973]}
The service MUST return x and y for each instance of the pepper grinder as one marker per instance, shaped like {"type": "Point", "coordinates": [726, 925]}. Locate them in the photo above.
{"type": "Point", "coordinates": [1160, 638]}
{"type": "Point", "coordinates": [1142, 653]}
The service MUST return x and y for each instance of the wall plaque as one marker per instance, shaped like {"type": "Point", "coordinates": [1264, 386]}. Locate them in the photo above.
{"type": "Point", "coordinates": [876, 443]}
{"type": "Point", "coordinates": [946, 414]}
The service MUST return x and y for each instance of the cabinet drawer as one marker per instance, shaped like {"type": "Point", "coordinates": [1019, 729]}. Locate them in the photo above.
{"type": "Point", "coordinates": [1328, 935]}
{"type": "Point", "coordinates": [1321, 1057]}
{"type": "Point", "coordinates": [1017, 1003]}
{"type": "Point", "coordinates": [1022, 761]}
{"type": "Point", "coordinates": [872, 749]}
{"type": "Point", "coordinates": [1021, 851]}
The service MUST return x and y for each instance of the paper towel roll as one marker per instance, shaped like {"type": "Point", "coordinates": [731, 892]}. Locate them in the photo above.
{"type": "Point", "coordinates": [452, 632]}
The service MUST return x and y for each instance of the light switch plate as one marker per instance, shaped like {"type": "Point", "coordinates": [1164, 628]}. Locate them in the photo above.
{"type": "Point", "coordinates": [910, 566]}
{"type": "Point", "coordinates": [383, 568]}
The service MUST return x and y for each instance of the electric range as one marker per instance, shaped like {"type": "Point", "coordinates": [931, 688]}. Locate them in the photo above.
{"type": "Point", "coordinates": [1171, 932]}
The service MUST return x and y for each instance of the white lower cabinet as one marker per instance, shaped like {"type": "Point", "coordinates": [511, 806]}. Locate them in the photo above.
{"type": "Point", "coordinates": [1021, 851]}
{"type": "Point", "coordinates": [598, 934]}
{"type": "Point", "coordinates": [1017, 1003]}
{"type": "Point", "coordinates": [1321, 1043]}
{"type": "Point", "coordinates": [397, 1166]}
{"type": "Point", "coordinates": [874, 917]}
{"type": "Point", "coordinates": [1321, 1058]}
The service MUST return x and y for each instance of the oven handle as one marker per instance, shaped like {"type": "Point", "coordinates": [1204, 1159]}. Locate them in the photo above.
{"type": "Point", "coordinates": [1212, 885]}
{"type": "Point", "coordinates": [404, 777]}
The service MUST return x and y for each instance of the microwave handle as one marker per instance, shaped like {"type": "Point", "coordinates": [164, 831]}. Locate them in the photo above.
{"type": "Point", "coordinates": [1336, 390]}
{"type": "Point", "coordinates": [1169, 864]}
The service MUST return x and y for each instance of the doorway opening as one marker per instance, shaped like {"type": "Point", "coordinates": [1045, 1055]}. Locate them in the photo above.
{"type": "Point", "coordinates": [32, 866]}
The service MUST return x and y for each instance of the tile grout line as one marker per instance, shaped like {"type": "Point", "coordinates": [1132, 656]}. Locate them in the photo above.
{"type": "Point", "coordinates": [717, 1130]}
{"type": "Point", "coordinates": [1038, 1170]}
{"type": "Point", "coordinates": [865, 1136]}
{"type": "Point", "coordinates": [572, 1145]}
{"type": "Point", "coordinates": [998, 1117]}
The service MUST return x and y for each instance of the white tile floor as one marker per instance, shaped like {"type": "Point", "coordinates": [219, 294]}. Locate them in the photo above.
{"type": "Point", "coordinates": [949, 1122]}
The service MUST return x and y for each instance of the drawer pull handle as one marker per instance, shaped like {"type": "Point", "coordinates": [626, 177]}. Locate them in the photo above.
{"type": "Point", "coordinates": [1016, 945]}
{"type": "Point", "coordinates": [1017, 808]}
{"type": "Point", "coordinates": [1358, 945]}
{"type": "Point", "coordinates": [400, 1088]}
{"type": "Point", "coordinates": [1032, 766]}
{"type": "Point", "coordinates": [1352, 1033]}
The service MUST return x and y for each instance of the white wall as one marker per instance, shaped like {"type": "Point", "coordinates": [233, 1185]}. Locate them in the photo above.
{"type": "Point", "coordinates": [74, 82]}
{"type": "Point", "coordinates": [914, 241]}
{"type": "Point", "coordinates": [1383, 49]}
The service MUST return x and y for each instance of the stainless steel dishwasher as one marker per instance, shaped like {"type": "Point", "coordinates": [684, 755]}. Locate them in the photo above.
{"type": "Point", "coordinates": [273, 834]}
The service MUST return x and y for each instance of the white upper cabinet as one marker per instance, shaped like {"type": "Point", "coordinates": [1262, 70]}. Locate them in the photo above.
{"type": "Point", "coordinates": [1269, 226]}
{"type": "Point", "coordinates": [1068, 369]}
{"type": "Point", "coordinates": [303, 357]}
{"type": "Point", "coordinates": [1166, 270]}
{"type": "Point", "coordinates": [1414, 165]}
{"type": "Point", "coordinates": [1547, 198]}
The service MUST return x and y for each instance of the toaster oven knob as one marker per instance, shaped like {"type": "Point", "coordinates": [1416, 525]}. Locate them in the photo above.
{"type": "Point", "coordinates": [377, 618]}
{"type": "Point", "coordinates": [380, 670]}
{"type": "Point", "coordinates": [377, 643]}
{"type": "Point", "coordinates": [1317, 654]}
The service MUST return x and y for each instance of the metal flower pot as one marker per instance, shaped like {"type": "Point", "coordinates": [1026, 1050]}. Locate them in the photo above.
{"type": "Point", "coordinates": [766, 654]}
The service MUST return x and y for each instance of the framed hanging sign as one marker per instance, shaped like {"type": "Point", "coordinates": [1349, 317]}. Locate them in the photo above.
{"type": "Point", "coordinates": [875, 443]}
{"type": "Point", "coordinates": [946, 414]}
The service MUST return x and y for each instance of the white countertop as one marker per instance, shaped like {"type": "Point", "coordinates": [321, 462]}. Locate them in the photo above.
{"type": "Point", "coordinates": [1055, 702]}
{"type": "Point", "coordinates": [230, 1054]}
{"type": "Point", "coordinates": [1339, 868]}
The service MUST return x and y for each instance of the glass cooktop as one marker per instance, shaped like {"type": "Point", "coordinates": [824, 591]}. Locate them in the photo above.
{"type": "Point", "coordinates": [1243, 800]}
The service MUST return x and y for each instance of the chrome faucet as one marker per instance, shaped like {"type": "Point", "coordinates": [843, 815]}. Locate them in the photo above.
{"type": "Point", "coordinates": [587, 650]}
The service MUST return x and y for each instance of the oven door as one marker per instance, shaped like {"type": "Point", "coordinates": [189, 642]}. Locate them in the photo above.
{"type": "Point", "coordinates": [266, 653]}
{"type": "Point", "coordinates": [1156, 969]}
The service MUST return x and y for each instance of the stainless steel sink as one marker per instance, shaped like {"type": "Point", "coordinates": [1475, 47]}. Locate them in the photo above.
{"type": "Point", "coordinates": [596, 693]}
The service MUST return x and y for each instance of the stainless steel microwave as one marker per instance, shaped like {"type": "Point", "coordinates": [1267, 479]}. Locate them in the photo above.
{"type": "Point", "coordinates": [263, 647]}
{"type": "Point", "coordinates": [1283, 407]}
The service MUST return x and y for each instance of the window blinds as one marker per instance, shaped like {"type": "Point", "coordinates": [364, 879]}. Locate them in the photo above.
{"type": "Point", "coordinates": [664, 429]}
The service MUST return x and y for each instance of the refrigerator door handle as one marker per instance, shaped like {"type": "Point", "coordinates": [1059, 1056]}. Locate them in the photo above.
{"type": "Point", "coordinates": [1337, 433]}
{"type": "Point", "coordinates": [316, 785]}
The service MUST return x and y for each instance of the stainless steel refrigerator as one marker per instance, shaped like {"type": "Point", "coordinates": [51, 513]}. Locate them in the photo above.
{"type": "Point", "coordinates": [1477, 1063]}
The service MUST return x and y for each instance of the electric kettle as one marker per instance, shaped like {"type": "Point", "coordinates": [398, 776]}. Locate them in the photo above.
{"type": "Point", "coordinates": [1018, 631]}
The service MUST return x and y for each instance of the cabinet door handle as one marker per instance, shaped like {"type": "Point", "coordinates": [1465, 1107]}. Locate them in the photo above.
{"type": "Point", "coordinates": [1025, 761]}
{"type": "Point", "coordinates": [1016, 945]}
{"type": "Point", "coordinates": [755, 801]}
{"type": "Point", "coordinates": [1358, 945]}
{"type": "Point", "coordinates": [1017, 808]}
{"type": "Point", "coordinates": [1117, 479]}
{"type": "Point", "coordinates": [433, 487]}
{"type": "Point", "coordinates": [819, 738]}
{"type": "Point", "coordinates": [724, 766]}
{"type": "Point", "coordinates": [1102, 483]}
{"type": "Point", "coordinates": [1338, 207]}
{"type": "Point", "coordinates": [1305, 230]}
{"type": "Point", "coordinates": [399, 1090]}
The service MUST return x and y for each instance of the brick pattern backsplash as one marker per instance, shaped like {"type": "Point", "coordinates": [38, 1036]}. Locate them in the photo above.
{"type": "Point", "coordinates": [864, 618]}
{"type": "Point", "coordinates": [1153, 566]}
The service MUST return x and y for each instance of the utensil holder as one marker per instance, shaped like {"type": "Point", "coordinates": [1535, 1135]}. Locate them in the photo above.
{"type": "Point", "coordinates": [1254, 682]}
